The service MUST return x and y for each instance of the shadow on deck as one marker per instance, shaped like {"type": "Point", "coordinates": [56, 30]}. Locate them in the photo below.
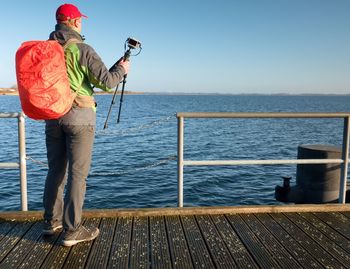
{"type": "Point", "coordinates": [230, 237]}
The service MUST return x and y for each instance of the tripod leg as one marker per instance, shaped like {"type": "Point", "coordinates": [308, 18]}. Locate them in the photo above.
{"type": "Point", "coordinates": [121, 98]}
{"type": "Point", "coordinates": [110, 107]}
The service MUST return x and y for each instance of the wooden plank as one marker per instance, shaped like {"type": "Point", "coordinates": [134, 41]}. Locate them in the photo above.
{"type": "Point", "coordinates": [237, 249]}
{"type": "Point", "coordinates": [180, 254]}
{"type": "Point", "coordinates": [139, 253]}
{"type": "Point", "coordinates": [307, 243]}
{"type": "Point", "coordinates": [331, 233]}
{"type": "Point", "coordinates": [100, 251]}
{"type": "Point", "coordinates": [79, 253]}
{"type": "Point", "coordinates": [5, 227]}
{"type": "Point", "coordinates": [220, 254]}
{"type": "Point", "coordinates": [198, 249]}
{"type": "Point", "coordinates": [21, 250]}
{"type": "Point", "coordinates": [160, 256]}
{"type": "Point", "coordinates": [277, 250]}
{"type": "Point", "coordinates": [292, 245]}
{"type": "Point", "coordinates": [57, 255]}
{"type": "Point", "coordinates": [13, 237]}
{"type": "Point", "coordinates": [39, 251]}
{"type": "Point", "coordinates": [108, 213]}
{"type": "Point", "coordinates": [252, 243]}
{"type": "Point", "coordinates": [337, 221]}
{"type": "Point", "coordinates": [120, 251]}
{"type": "Point", "coordinates": [331, 247]}
{"type": "Point", "coordinates": [146, 212]}
{"type": "Point", "coordinates": [347, 214]}
{"type": "Point", "coordinates": [340, 217]}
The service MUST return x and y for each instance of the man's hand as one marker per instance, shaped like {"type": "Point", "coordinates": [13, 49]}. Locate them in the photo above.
{"type": "Point", "coordinates": [124, 64]}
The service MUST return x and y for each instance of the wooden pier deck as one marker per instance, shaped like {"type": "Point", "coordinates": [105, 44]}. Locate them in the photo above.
{"type": "Point", "coordinates": [230, 237]}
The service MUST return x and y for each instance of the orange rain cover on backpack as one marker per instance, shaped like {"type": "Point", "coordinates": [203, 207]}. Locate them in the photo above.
{"type": "Point", "coordinates": [42, 80]}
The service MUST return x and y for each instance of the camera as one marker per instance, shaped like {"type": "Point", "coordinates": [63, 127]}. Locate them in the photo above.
{"type": "Point", "coordinates": [133, 43]}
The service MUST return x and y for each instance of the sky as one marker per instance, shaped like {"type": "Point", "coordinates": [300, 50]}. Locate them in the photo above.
{"type": "Point", "coordinates": [203, 46]}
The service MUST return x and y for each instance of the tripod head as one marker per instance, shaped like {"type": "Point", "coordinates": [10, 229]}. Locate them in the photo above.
{"type": "Point", "coordinates": [131, 43]}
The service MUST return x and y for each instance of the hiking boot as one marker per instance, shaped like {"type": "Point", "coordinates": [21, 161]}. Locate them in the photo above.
{"type": "Point", "coordinates": [50, 227]}
{"type": "Point", "coordinates": [81, 235]}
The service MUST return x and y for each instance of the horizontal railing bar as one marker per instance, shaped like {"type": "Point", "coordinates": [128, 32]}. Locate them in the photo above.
{"type": "Point", "coordinates": [249, 162]}
{"type": "Point", "coordinates": [10, 115]}
{"type": "Point", "coordinates": [260, 115]}
{"type": "Point", "coordinates": [9, 165]}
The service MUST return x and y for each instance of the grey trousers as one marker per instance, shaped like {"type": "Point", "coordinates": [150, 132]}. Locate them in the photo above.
{"type": "Point", "coordinates": [69, 152]}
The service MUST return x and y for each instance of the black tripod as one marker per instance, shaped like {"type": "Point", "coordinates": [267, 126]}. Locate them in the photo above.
{"type": "Point", "coordinates": [126, 58]}
{"type": "Point", "coordinates": [132, 44]}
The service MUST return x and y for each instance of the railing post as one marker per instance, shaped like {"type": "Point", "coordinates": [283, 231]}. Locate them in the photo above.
{"type": "Point", "coordinates": [22, 161]}
{"type": "Point", "coordinates": [345, 158]}
{"type": "Point", "coordinates": [180, 158]}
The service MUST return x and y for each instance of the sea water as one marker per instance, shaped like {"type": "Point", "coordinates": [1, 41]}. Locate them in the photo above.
{"type": "Point", "coordinates": [134, 162]}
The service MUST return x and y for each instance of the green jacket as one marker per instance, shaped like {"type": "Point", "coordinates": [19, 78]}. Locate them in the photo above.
{"type": "Point", "coordinates": [85, 68]}
{"type": "Point", "coordinates": [85, 71]}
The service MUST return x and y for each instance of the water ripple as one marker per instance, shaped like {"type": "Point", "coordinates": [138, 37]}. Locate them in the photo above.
{"type": "Point", "coordinates": [134, 165]}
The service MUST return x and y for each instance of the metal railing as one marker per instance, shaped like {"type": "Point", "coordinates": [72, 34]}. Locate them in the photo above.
{"type": "Point", "coordinates": [22, 164]}
{"type": "Point", "coordinates": [344, 161]}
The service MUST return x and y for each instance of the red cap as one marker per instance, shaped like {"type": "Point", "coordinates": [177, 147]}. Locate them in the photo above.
{"type": "Point", "coordinates": [68, 11]}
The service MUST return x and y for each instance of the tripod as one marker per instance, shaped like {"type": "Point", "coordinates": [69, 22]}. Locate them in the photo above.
{"type": "Point", "coordinates": [126, 58]}
{"type": "Point", "coordinates": [132, 44]}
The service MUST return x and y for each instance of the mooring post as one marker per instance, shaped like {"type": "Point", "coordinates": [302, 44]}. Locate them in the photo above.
{"type": "Point", "coordinates": [345, 158]}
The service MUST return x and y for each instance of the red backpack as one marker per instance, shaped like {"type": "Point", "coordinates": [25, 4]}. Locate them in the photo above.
{"type": "Point", "coordinates": [42, 80]}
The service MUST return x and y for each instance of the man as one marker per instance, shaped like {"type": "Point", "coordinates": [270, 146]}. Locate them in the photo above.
{"type": "Point", "coordinates": [69, 139]}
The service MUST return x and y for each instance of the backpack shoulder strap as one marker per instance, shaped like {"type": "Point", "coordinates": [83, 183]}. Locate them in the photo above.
{"type": "Point", "coordinates": [71, 41]}
{"type": "Point", "coordinates": [65, 46]}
